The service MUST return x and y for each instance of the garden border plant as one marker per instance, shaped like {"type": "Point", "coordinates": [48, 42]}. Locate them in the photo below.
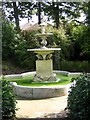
{"type": "Point", "coordinates": [8, 101]}
{"type": "Point", "coordinates": [79, 98]}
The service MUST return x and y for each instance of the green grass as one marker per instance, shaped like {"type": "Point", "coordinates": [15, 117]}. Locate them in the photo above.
{"type": "Point", "coordinates": [28, 81]}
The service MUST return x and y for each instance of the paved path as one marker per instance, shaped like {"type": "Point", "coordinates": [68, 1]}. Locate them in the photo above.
{"type": "Point", "coordinates": [40, 108]}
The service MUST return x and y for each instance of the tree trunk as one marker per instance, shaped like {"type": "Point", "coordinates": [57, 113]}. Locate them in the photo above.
{"type": "Point", "coordinates": [56, 13]}
{"type": "Point", "coordinates": [39, 13]}
{"type": "Point", "coordinates": [15, 8]}
{"type": "Point", "coordinates": [57, 16]}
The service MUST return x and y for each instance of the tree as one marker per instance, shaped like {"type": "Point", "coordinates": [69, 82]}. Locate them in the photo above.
{"type": "Point", "coordinates": [12, 9]}
{"type": "Point", "coordinates": [16, 16]}
{"type": "Point", "coordinates": [17, 10]}
{"type": "Point", "coordinates": [61, 10]}
{"type": "Point", "coordinates": [85, 42]}
{"type": "Point", "coordinates": [56, 14]}
{"type": "Point", "coordinates": [54, 10]}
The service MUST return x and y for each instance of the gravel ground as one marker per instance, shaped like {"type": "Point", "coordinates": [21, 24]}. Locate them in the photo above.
{"type": "Point", "coordinates": [43, 108]}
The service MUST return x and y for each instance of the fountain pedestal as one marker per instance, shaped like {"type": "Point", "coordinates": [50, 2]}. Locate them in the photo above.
{"type": "Point", "coordinates": [44, 65]}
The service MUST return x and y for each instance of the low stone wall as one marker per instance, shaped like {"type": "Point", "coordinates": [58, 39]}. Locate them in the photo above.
{"type": "Point", "coordinates": [40, 92]}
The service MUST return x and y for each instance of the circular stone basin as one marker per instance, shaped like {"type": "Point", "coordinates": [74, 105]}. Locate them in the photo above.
{"type": "Point", "coordinates": [34, 92]}
{"type": "Point", "coordinates": [40, 92]}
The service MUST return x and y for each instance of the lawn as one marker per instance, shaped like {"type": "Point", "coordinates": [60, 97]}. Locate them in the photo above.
{"type": "Point", "coordinates": [28, 81]}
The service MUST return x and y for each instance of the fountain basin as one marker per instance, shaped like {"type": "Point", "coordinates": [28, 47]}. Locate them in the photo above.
{"type": "Point", "coordinates": [40, 92]}
{"type": "Point", "coordinates": [29, 92]}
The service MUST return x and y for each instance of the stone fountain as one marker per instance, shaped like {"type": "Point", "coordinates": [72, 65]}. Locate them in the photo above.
{"type": "Point", "coordinates": [44, 63]}
{"type": "Point", "coordinates": [44, 73]}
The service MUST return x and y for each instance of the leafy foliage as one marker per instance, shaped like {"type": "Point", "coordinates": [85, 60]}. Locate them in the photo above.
{"type": "Point", "coordinates": [80, 41]}
{"type": "Point", "coordinates": [15, 46]}
{"type": "Point", "coordinates": [59, 39]}
{"type": "Point", "coordinates": [71, 41]}
{"type": "Point", "coordinates": [79, 98]}
{"type": "Point", "coordinates": [8, 101]}
{"type": "Point", "coordinates": [86, 9]}
{"type": "Point", "coordinates": [7, 38]}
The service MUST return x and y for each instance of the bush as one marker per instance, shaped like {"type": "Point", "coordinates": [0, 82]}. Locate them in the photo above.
{"type": "Point", "coordinates": [79, 98]}
{"type": "Point", "coordinates": [8, 101]}
{"type": "Point", "coordinates": [15, 45]}
{"type": "Point", "coordinates": [8, 35]}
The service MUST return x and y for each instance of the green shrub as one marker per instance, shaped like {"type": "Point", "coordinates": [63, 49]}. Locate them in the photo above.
{"type": "Point", "coordinates": [79, 98]}
{"type": "Point", "coordinates": [15, 45]}
{"type": "Point", "coordinates": [8, 101]}
{"type": "Point", "coordinates": [8, 35]}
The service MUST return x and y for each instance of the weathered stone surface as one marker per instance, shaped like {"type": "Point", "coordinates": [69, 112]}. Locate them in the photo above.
{"type": "Point", "coordinates": [40, 92]}
{"type": "Point", "coordinates": [74, 74]}
{"type": "Point", "coordinates": [23, 91]}
{"type": "Point", "coordinates": [51, 78]}
{"type": "Point", "coordinates": [28, 73]}
{"type": "Point", "coordinates": [44, 68]}
{"type": "Point", "coordinates": [13, 76]}
{"type": "Point", "coordinates": [44, 71]}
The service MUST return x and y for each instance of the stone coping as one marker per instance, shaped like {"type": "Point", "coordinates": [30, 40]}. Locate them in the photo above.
{"type": "Point", "coordinates": [13, 76]}
{"type": "Point", "coordinates": [44, 49]}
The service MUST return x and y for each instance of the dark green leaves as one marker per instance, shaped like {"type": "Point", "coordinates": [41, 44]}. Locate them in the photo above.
{"type": "Point", "coordinates": [79, 98]}
{"type": "Point", "coordinates": [8, 101]}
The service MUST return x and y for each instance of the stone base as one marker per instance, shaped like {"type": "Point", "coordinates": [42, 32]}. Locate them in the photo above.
{"type": "Point", "coordinates": [44, 71]}
{"type": "Point", "coordinates": [51, 78]}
